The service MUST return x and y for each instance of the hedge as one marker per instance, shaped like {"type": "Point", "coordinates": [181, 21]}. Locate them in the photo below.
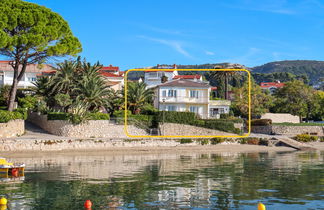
{"type": "Point", "coordinates": [98, 116]}
{"type": "Point", "coordinates": [6, 116]}
{"type": "Point", "coordinates": [261, 122]}
{"type": "Point", "coordinates": [58, 116]}
{"type": "Point", "coordinates": [67, 116]}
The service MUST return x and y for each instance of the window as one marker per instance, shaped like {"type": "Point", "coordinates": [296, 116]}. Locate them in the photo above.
{"type": "Point", "coordinates": [172, 93]}
{"type": "Point", "coordinates": [31, 79]}
{"type": "Point", "coordinates": [171, 108]}
{"type": "Point", "coordinates": [164, 93]}
{"type": "Point", "coordinates": [193, 109]}
{"type": "Point", "coordinates": [152, 74]}
{"type": "Point", "coordinates": [193, 93]}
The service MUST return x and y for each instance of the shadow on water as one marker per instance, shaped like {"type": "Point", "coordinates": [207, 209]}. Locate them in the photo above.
{"type": "Point", "coordinates": [170, 181]}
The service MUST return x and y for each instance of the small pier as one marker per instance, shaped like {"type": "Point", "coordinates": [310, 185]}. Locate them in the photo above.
{"type": "Point", "coordinates": [290, 143]}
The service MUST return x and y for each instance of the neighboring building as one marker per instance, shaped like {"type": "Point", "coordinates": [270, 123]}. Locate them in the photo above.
{"type": "Point", "coordinates": [113, 76]}
{"type": "Point", "coordinates": [153, 78]}
{"type": "Point", "coordinates": [30, 76]}
{"type": "Point", "coordinates": [186, 95]}
{"type": "Point", "coordinates": [281, 117]}
{"type": "Point", "coordinates": [196, 77]}
{"type": "Point", "coordinates": [271, 86]}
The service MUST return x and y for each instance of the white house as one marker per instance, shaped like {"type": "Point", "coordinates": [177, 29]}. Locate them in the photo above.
{"type": "Point", "coordinates": [153, 78]}
{"type": "Point", "coordinates": [191, 96]}
{"type": "Point", "coordinates": [113, 76]}
{"type": "Point", "coordinates": [30, 76]}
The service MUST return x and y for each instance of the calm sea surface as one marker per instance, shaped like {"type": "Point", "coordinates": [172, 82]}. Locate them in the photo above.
{"type": "Point", "coordinates": [292, 180]}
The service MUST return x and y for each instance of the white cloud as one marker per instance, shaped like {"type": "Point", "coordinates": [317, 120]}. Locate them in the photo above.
{"type": "Point", "coordinates": [209, 53]}
{"type": "Point", "coordinates": [176, 45]}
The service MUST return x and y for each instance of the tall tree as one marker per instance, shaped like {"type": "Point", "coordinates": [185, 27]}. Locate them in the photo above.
{"type": "Point", "coordinates": [31, 34]}
{"type": "Point", "coordinates": [295, 98]}
{"type": "Point", "coordinates": [260, 101]}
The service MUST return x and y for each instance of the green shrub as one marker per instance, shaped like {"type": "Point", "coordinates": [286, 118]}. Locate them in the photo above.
{"type": "Point", "coordinates": [306, 138]}
{"type": "Point", "coordinates": [243, 141]}
{"type": "Point", "coordinates": [23, 111]}
{"type": "Point", "coordinates": [203, 141]}
{"type": "Point", "coordinates": [148, 109]}
{"type": "Point", "coordinates": [28, 102]}
{"type": "Point", "coordinates": [176, 117]}
{"type": "Point", "coordinates": [98, 116]}
{"type": "Point", "coordinates": [261, 122]}
{"type": "Point", "coordinates": [221, 125]}
{"type": "Point", "coordinates": [185, 141]}
{"type": "Point", "coordinates": [321, 139]}
{"type": "Point", "coordinates": [58, 116]}
{"type": "Point", "coordinates": [6, 116]}
{"type": "Point", "coordinates": [121, 113]}
{"type": "Point", "coordinates": [217, 140]}
{"type": "Point", "coordinates": [143, 121]}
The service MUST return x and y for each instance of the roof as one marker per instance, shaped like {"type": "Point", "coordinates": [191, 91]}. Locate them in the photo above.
{"type": "Point", "coordinates": [110, 68]}
{"type": "Point", "coordinates": [155, 70]}
{"type": "Point", "coordinates": [184, 83]}
{"type": "Point", "coordinates": [108, 74]}
{"type": "Point", "coordinates": [272, 84]}
{"type": "Point", "coordinates": [197, 76]}
{"type": "Point", "coordinates": [35, 68]}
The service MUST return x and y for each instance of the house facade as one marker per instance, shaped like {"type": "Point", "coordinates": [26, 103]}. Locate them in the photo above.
{"type": "Point", "coordinates": [32, 72]}
{"type": "Point", "coordinates": [271, 86]}
{"type": "Point", "coordinates": [113, 76]}
{"type": "Point", "coordinates": [189, 96]}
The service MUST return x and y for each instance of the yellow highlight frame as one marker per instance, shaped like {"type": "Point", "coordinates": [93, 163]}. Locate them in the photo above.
{"type": "Point", "coordinates": [147, 70]}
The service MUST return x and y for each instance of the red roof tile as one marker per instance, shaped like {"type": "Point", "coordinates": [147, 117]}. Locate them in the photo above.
{"type": "Point", "coordinates": [272, 84]}
{"type": "Point", "coordinates": [187, 76]}
{"type": "Point", "coordinates": [110, 68]}
{"type": "Point", "coordinates": [108, 74]}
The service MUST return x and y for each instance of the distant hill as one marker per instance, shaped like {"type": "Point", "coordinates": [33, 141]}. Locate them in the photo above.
{"type": "Point", "coordinates": [135, 75]}
{"type": "Point", "coordinates": [313, 69]}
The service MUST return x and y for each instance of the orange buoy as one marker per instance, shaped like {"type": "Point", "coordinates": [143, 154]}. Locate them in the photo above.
{"type": "Point", "coordinates": [15, 172]}
{"type": "Point", "coordinates": [261, 206]}
{"type": "Point", "coordinates": [87, 204]}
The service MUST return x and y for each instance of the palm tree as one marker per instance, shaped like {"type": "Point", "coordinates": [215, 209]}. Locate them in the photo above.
{"type": "Point", "coordinates": [115, 101]}
{"type": "Point", "coordinates": [91, 87]}
{"type": "Point", "coordinates": [224, 76]}
{"type": "Point", "coordinates": [138, 95]}
{"type": "Point", "coordinates": [64, 79]}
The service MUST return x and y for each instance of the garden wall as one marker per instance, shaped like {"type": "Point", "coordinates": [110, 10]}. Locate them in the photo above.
{"type": "Point", "coordinates": [288, 130]}
{"type": "Point", "coordinates": [90, 129]}
{"type": "Point", "coordinates": [13, 128]}
{"type": "Point", "coordinates": [174, 129]}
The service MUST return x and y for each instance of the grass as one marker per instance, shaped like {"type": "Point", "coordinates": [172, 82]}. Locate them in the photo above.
{"type": "Point", "coordinates": [299, 124]}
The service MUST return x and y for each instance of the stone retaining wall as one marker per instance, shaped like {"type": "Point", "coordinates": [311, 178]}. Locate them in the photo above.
{"type": "Point", "coordinates": [13, 128]}
{"type": "Point", "coordinates": [288, 130]}
{"type": "Point", "coordinates": [174, 129]}
{"type": "Point", "coordinates": [92, 128]}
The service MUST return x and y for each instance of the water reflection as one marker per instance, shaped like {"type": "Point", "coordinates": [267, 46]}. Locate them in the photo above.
{"type": "Point", "coordinates": [170, 181]}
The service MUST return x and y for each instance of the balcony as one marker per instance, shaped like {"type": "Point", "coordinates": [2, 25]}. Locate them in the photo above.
{"type": "Point", "coordinates": [219, 102]}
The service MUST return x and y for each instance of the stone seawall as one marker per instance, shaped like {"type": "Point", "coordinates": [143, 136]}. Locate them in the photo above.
{"type": "Point", "coordinates": [90, 129]}
{"type": "Point", "coordinates": [174, 129]}
{"type": "Point", "coordinates": [13, 128]}
{"type": "Point", "coordinates": [288, 130]}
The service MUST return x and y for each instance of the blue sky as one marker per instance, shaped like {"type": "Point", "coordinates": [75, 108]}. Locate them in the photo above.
{"type": "Point", "coordinates": [139, 33]}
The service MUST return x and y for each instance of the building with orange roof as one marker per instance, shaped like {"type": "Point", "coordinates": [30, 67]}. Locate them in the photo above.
{"type": "Point", "coordinates": [32, 72]}
{"type": "Point", "coordinates": [113, 76]}
{"type": "Point", "coordinates": [271, 86]}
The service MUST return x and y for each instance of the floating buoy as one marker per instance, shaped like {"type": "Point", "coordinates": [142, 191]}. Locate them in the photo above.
{"type": "Point", "coordinates": [3, 201]}
{"type": "Point", "coordinates": [87, 204]}
{"type": "Point", "coordinates": [3, 207]}
{"type": "Point", "coordinates": [261, 206]}
{"type": "Point", "coordinates": [15, 172]}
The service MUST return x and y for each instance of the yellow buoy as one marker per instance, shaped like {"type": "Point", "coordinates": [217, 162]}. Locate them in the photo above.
{"type": "Point", "coordinates": [261, 206]}
{"type": "Point", "coordinates": [3, 201]}
{"type": "Point", "coordinates": [3, 207]}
